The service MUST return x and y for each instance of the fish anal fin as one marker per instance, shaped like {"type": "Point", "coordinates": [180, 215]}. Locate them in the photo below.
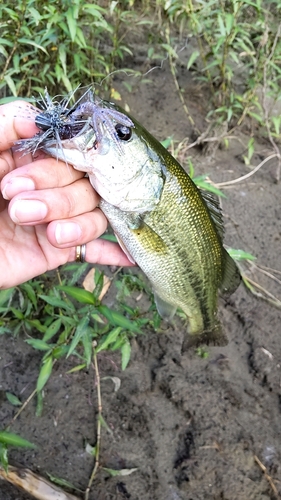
{"type": "Point", "coordinates": [166, 310]}
{"type": "Point", "coordinates": [231, 275]}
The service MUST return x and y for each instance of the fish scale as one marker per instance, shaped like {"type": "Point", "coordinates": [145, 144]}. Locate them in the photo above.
{"type": "Point", "coordinates": [188, 283]}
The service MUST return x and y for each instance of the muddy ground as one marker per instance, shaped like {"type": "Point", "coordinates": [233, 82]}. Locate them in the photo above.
{"type": "Point", "coordinates": [192, 427]}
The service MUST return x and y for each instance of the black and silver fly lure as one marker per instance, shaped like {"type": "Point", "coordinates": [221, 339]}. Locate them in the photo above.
{"type": "Point", "coordinates": [54, 122]}
{"type": "Point", "coordinates": [59, 121]}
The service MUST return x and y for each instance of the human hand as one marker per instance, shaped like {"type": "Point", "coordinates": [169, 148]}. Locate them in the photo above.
{"type": "Point", "coordinates": [47, 208]}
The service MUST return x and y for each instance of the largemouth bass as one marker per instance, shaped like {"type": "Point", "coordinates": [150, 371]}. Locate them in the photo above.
{"type": "Point", "coordinates": [163, 222]}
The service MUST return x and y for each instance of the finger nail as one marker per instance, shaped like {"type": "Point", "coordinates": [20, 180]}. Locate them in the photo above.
{"type": "Point", "coordinates": [28, 211]}
{"type": "Point", "coordinates": [67, 233]}
{"type": "Point", "coordinates": [17, 185]}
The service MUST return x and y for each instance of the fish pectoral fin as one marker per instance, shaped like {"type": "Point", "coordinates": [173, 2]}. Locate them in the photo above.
{"type": "Point", "coordinates": [134, 221]}
{"type": "Point", "coordinates": [166, 310]}
{"type": "Point", "coordinates": [121, 244]}
{"type": "Point", "coordinates": [231, 275]}
{"type": "Point", "coordinates": [149, 239]}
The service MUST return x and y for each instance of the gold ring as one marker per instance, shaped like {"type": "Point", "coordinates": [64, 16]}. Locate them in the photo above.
{"type": "Point", "coordinates": [80, 253]}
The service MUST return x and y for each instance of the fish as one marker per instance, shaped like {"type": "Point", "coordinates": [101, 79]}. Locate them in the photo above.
{"type": "Point", "coordinates": [163, 222]}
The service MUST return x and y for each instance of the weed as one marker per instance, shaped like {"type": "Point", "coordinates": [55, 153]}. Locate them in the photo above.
{"type": "Point", "coordinates": [202, 353]}
{"type": "Point", "coordinates": [237, 57]}
{"type": "Point", "coordinates": [50, 45]}
{"type": "Point", "coordinates": [9, 439]}
{"type": "Point", "coordinates": [68, 319]}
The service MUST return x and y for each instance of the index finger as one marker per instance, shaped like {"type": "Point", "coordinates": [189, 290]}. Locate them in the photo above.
{"type": "Point", "coordinates": [17, 121]}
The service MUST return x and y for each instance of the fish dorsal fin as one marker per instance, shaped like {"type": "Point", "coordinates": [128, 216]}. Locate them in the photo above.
{"type": "Point", "coordinates": [231, 275]}
{"type": "Point", "coordinates": [213, 204]}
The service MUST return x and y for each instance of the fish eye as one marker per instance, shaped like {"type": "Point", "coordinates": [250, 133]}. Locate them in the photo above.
{"type": "Point", "coordinates": [124, 133]}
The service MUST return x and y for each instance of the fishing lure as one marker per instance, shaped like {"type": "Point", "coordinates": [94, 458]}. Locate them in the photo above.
{"type": "Point", "coordinates": [54, 122]}
{"type": "Point", "coordinates": [58, 121]}
{"type": "Point", "coordinates": [55, 119]}
{"type": "Point", "coordinates": [102, 117]}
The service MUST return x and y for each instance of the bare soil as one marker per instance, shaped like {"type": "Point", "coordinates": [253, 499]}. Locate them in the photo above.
{"type": "Point", "coordinates": [192, 427]}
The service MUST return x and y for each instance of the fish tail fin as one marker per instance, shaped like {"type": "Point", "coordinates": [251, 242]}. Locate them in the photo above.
{"type": "Point", "coordinates": [213, 336]}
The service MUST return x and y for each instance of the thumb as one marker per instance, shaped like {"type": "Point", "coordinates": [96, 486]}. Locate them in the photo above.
{"type": "Point", "coordinates": [17, 121]}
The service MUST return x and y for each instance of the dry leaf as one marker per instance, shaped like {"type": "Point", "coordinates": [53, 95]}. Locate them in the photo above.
{"type": "Point", "coordinates": [36, 486]}
{"type": "Point", "coordinates": [89, 283]}
{"type": "Point", "coordinates": [116, 381]}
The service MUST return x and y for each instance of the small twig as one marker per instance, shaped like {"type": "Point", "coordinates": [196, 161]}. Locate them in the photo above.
{"type": "Point", "coordinates": [246, 176]}
{"type": "Point", "coordinates": [267, 476]}
{"type": "Point", "coordinates": [99, 420]}
{"type": "Point", "coordinates": [214, 446]}
{"type": "Point", "coordinates": [203, 138]}
{"type": "Point", "coordinates": [172, 69]}
{"type": "Point", "coordinates": [11, 54]}
{"type": "Point", "coordinates": [21, 409]}
{"type": "Point", "coordinates": [59, 277]}
{"type": "Point", "coordinates": [271, 299]}
{"type": "Point", "coordinates": [270, 269]}
{"type": "Point", "coordinates": [116, 272]}
{"type": "Point", "coordinates": [266, 273]}
{"type": "Point", "coordinates": [27, 401]}
{"type": "Point", "coordinates": [35, 485]}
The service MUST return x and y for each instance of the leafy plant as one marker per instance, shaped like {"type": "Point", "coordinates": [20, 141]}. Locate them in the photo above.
{"type": "Point", "coordinates": [9, 439]}
{"type": "Point", "coordinates": [58, 43]}
{"type": "Point", "coordinates": [67, 319]}
{"type": "Point", "coordinates": [237, 57]}
{"type": "Point", "coordinates": [64, 320]}
{"type": "Point", "coordinates": [202, 353]}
